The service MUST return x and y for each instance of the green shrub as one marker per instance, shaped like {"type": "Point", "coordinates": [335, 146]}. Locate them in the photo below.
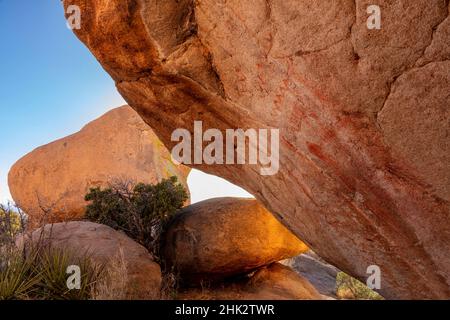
{"type": "Point", "coordinates": [12, 222]}
{"type": "Point", "coordinates": [348, 287]}
{"type": "Point", "coordinates": [140, 210]}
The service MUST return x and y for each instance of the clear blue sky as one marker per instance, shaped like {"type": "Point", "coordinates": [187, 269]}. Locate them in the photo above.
{"type": "Point", "coordinates": [51, 85]}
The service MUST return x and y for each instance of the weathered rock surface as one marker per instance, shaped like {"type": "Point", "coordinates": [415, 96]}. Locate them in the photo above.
{"type": "Point", "coordinates": [222, 237]}
{"type": "Point", "coordinates": [103, 244]}
{"type": "Point", "coordinates": [319, 273]}
{"type": "Point", "coordinates": [363, 114]}
{"type": "Point", "coordinates": [116, 146]}
{"type": "Point", "coordinates": [274, 282]}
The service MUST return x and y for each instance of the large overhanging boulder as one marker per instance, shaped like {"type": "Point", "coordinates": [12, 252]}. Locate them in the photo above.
{"type": "Point", "coordinates": [363, 114]}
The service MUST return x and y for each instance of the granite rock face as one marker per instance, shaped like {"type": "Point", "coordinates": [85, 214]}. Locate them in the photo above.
{"type": "Point", "coordinates": [50, 183]}
{"type": "Point", "coordinates": [363, 114]}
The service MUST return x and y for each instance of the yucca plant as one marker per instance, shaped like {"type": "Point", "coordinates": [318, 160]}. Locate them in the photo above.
{"type": "Point", "coordinates": [37, 271]}
{"type": "Point", "coordinates": [17, 278]}
{"type": "Point", "coordinates": [52, 268]}
{"type": "Point", "coordinates": [42, 274]}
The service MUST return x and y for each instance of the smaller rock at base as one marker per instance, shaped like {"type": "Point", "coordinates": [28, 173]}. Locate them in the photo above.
{"type": "Point", "coordinates": [274, 282]}
{"type": "Point", "coordinates": [222, 237]}
{"type": "Point", "coordinates": [104, 245]}
{"type": "Point", "coordinates": [321, 274]}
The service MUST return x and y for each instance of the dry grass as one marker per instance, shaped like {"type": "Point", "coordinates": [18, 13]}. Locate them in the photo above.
{"type": "Point", "coordinates": [169, 286]}
{"type": "Point", "coordinates": [113, 285]}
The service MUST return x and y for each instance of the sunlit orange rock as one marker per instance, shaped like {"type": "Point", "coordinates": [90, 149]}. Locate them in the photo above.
{"type": "Point", "coordinates": [50, 183]}
{"type": "Point", "coordinates": [218, 238]}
